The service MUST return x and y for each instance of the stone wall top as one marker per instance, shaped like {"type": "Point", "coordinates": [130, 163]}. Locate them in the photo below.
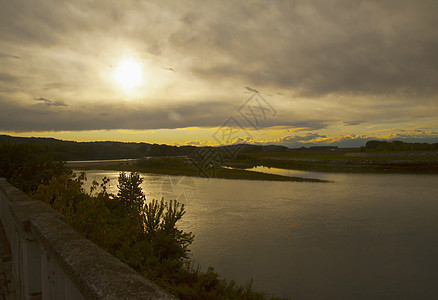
{"type": "Point", "coordinates": [95, 273]}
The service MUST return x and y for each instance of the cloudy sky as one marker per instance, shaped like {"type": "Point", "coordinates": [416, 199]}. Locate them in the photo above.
{"type": "Point", "coordinates": [215, 72]}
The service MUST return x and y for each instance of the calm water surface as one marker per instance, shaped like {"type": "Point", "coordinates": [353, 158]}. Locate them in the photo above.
{"type": "Point", "coordinates": [361, 236]}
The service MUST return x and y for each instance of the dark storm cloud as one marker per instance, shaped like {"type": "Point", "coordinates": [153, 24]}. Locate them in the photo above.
{"type": "Point", "coordinates": [96, 116]}
{"type": "Point", "coordinates": [251, 89]}
{"type": "Point", "coordinates": [5, 55]}
{"type": "Point", "coordinates": [125, 116]}
{"type": "Point", "coordinates": [318, 47]}
{"type": "Point", "coordinates": [52, 22]}
{"type": "Point", "coordinates": [50, 102]}
{"type": "Point", "coordinates": [380, 56]}
{"type": "Point", "coordinates": [7, 78]}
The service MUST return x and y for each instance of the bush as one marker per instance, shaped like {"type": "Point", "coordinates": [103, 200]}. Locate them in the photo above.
{"type": "Point", "coordinates": [143, 235]}
{"type": "Point", "coordinates": [26, 166]}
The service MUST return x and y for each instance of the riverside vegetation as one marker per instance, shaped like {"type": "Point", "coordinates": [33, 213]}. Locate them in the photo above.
{"type": "Point", "coordinates": [374, 157]}
{"type": "Point", "coordinates": [142, 234]}
{"type": "Point", "coordinates": [184, 167]}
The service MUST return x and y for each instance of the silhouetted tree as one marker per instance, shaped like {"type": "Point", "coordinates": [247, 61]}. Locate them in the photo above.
{"type": "Point", "coordinates": [130, 192]}
{"type": "Point", "coordinates": [26, 166]}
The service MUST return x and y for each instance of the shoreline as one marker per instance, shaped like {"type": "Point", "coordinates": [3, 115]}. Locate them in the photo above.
{"type": "Point", "coordinates": [222, 173]}
{"type": "Point", "coordinates": [353, 165]}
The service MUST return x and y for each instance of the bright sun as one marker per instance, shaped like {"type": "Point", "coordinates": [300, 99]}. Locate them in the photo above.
{"type": "Point", "coordinates": [129, 74]}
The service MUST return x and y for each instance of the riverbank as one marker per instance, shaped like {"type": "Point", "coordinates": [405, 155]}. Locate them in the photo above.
{"type": "Point", "coordinates": [346, 165]}
{"type": "Point", "coordinates": [343, 161]}
{"type": "Point", "coordinates": [188, 169]}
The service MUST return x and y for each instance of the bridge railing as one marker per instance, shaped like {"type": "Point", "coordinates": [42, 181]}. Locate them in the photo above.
{"type": "Point", "coordinates": [52, 261]}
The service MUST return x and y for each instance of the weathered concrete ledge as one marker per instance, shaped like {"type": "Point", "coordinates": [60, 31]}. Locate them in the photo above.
{"type": "Point", "coordinates": [52, 261]}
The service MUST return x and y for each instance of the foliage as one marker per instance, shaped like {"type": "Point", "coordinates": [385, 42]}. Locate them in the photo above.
{"type": "Point", "coordinates": [384, 146]}
{"type": "Point", "coordinates": [130, 192]}
{"type": "Point", "coordinates": [189, 169]}
{"type": "Point", "coordinates": [26, 166]}
{"type": "Point", "coordinates": [69, 150]}
{"type": "Point", "coordinates": [142, 234]}
{"type": "Point", "coordinates": [63, 193]}
{"type": "Point", "coordinates": [160, 227]}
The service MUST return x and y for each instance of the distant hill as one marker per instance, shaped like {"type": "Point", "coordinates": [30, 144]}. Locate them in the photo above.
{"type": "Point", "coordinates": [70, 150]}
{"type": "Point", "coordinates": [385, 146]}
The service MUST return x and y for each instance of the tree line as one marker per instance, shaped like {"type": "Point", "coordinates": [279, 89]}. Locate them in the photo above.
{"type": "Point", "coordinates": [70, 150]}
{"type": "Point", "coordinates": [385, 146]}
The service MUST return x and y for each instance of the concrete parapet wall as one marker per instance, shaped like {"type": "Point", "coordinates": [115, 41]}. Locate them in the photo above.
{"type": "Point", "coordinates": [52, 261]}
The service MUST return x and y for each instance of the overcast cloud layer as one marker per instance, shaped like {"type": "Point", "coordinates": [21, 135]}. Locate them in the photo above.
{"type": "Point", "coordinates": [319, 63]}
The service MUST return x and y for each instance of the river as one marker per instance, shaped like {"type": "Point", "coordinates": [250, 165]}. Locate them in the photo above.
{"type": "Point", "coordinates": [361, 236]}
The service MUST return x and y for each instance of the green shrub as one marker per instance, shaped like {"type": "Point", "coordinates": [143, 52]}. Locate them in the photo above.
{"type": "Point", "coordinates": [144, 235]}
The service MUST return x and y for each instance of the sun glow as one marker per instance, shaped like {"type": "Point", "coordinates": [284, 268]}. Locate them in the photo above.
{"type": "Point", "coordinates": [129, 74]}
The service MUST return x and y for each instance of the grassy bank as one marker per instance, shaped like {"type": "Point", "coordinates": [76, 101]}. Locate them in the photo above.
{"type": "Point", "coordinates": [344, 161]}
{"type": "Point", "coordinates": [355, 165]}
{"type": "Point", "coordinates": [177, 166]}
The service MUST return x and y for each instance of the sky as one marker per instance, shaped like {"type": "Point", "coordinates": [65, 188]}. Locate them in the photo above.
{"type": "Point", "coordinates": [294, 73]}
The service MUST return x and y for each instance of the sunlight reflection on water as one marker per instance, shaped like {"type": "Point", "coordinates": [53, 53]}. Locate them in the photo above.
{"type": "Point", "coordinates": [360, 236]}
